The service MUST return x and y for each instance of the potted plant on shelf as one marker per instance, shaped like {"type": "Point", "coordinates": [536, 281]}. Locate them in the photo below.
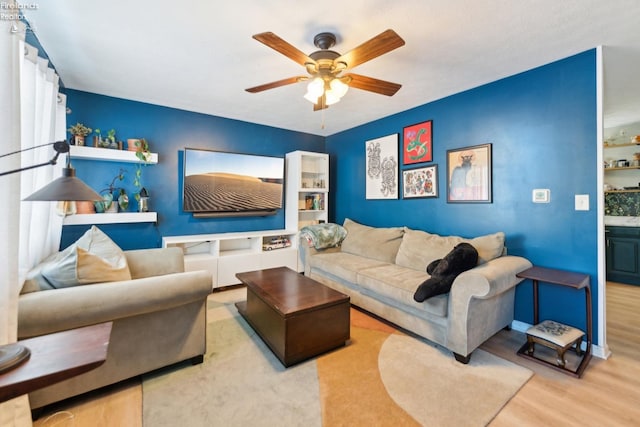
{"type": "Point", "coordinates": [79, 132]}
{"type": "Point", "coordinates": [144, 155]}
{"type": "Point", "coordinates": [111, 139]}
{"type": "Point", "coordinates": [141, 147]}
{"type": "Point", "coordinates": [107, 204]}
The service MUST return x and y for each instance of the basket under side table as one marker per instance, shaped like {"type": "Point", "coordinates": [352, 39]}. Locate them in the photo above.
{"type": "Point", "coordinates": [563, 278]}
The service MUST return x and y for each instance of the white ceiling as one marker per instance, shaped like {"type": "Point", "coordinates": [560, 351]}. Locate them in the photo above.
{"type": "Point", "coordinates": [199, 56]}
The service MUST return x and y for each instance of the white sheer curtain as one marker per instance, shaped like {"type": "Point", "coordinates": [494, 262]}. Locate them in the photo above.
{"type": "Point", "coordinates": [31, 113]}
{"type": "Point", "coordinates": [14, 412]}
{"type": "Point", "coordinates": [42, 120]}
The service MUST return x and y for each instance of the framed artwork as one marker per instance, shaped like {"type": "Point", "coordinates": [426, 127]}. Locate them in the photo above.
{"type": "Point", "coordinates": [469, 174]}
{"type": "Point", "coordinates": [417, 143]}
{"type": "Point", "coordinates": [382, 167]}
{"type": "Point", "coordinates": [420, 182]}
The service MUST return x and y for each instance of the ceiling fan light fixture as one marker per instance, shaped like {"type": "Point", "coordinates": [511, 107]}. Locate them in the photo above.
{"type": "Point", "coordinates": [310, 97]}
{"type": "Point", "coordinates": [315, 87]}
{"type": "Point", "coordinates": [338, 87]}
{"type": "Point", "coordinates": [331, 97]}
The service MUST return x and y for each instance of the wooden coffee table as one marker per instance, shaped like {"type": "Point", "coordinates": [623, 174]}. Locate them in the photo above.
{"type": "Point", "coordinates": [297, 317]}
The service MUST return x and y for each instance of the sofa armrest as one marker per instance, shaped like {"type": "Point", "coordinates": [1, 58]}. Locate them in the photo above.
{"type": "Point", "coordinates": [307, 251]}
{"type": "Point", "coordinates": [489, 279]}
{"type": "Point", "coordinates": [472, 316]}
{"type": "Point", "coordinates": [56, 310]}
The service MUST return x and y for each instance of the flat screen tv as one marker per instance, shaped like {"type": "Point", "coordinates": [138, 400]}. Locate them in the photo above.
{"type": "Point", "coordinates": [218, 183]}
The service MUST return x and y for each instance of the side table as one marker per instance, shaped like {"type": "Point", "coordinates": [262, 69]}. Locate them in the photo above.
{"type": "Point", "coordinates": [563, 278]}
{"type": "Point", "coordinates": [56, 357]}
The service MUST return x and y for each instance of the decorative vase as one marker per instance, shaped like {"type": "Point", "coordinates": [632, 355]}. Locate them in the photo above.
{"type": "Point", "coordinates": [133, 144]}
{"type": "Point", "coordinates": [84, 207]}
{"type": "Point", "coordinates": [107, 202]}
{"type": "Point", "coordinates": [78, 139]}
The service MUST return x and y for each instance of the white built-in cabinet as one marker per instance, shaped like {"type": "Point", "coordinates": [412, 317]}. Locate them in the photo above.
{"type": "Point", "coordinates": [307, 190]}
{"type": "Point", "coordinates": [226, 254]}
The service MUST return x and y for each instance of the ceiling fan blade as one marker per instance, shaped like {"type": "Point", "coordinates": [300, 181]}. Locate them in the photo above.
{"type": "Point", "coordinates": [379, 45]}
{"type": "Point", "coordinates": [321, 104]}
{"type": "Point", "coordinates": [373, 85]}
{"type": "Point", "coordinates": [276, 84]}
{"type": "Point", "coordinates": [288, 50]}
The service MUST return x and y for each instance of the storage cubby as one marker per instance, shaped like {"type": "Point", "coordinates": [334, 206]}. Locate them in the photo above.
{"type": "Point", "coordinates": [307, 190]}
{"type": "Point", "coordinates": [226, 254]}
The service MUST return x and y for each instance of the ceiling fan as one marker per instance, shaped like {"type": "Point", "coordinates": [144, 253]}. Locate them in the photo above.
{"type": "Point", "coordinates": [327, 83]}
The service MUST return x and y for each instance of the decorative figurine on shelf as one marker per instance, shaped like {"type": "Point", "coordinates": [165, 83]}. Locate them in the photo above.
{"type": "Point", "coordinates": [143, 200]}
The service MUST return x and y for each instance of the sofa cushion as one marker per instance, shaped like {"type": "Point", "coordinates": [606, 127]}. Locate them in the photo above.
{"type": "Point", "coordinates": [380, 243]}
{"type": "Point", "coordinates": [395, 283]}
{"type": "Point", "coordinates": [419, 248]}
{"type": "Point", "coordinates": [341, 265]}
{"type": "Point", "coordinates": [93, 258]}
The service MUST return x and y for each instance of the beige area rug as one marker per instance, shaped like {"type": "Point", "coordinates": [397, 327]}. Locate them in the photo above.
{"type": "Point", "coordinates": [381, 378]}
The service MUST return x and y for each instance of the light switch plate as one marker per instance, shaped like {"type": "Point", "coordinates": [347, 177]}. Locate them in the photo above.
{"type": "Point", "coordinates": [582, 202]}
{"type": "Point", "coordinates": [541, 195]}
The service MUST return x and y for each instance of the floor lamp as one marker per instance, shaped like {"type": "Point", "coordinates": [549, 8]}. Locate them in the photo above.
{"type": "Point", "coordinates": [65, 188]}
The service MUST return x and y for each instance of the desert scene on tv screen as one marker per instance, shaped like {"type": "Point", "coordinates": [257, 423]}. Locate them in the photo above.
{"type": "Point", "coordinates": [231, 182]}
{"type": "Point", "coordinates": [226, 192]}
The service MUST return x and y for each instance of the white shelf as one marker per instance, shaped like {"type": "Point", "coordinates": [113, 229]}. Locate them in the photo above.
{"type": "Point", "coordinates": [108, 155]}
{"type": "Point", "coordinates": [110, 218]}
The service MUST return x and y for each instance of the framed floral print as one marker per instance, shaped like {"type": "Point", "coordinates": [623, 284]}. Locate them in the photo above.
{"type": "Point", "coordinates": [420, 182]}
{"type": "Point", "coordinates": [417, 143]}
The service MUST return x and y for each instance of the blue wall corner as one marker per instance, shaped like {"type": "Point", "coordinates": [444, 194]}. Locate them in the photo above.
{"type": "Point", "coordinates": [542, 125]}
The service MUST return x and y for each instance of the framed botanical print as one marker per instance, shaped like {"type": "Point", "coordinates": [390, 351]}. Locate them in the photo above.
{"type": "Point", "coordinates": [420, 182]}
{"type": "Point", "coordinates": [382, 167]}
{"type": "Point", "coordinates": [469, 172]}
{"type": "Point", "coordinates": [417, 143]}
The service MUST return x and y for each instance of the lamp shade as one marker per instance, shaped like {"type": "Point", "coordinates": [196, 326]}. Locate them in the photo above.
{"type": "Point", "coordinates": [66, 188]}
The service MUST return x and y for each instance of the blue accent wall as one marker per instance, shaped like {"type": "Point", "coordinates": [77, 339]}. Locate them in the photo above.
{"type": "Point", "coordinates": [169, 131]}
{"type": "Point", "coordinates": [542, 125]}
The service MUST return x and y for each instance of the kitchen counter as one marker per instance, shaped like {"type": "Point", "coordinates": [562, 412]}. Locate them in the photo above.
{"type": "Point", "coordinates": [622, 221]}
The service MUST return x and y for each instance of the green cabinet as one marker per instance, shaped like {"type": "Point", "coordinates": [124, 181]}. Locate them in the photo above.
{"type": "Point", "coordinates": [623, 254]}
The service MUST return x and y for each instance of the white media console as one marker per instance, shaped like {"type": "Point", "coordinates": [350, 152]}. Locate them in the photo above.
{"type": "Point", "coordinates": [226, 254]}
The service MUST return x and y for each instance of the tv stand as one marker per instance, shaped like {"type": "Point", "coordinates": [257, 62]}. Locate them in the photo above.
{"type": "Point", "coordinates": [225, 254]}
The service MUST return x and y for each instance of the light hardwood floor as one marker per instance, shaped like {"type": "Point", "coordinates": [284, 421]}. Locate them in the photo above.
{"type": "Point", "coordinates": [608, 394]}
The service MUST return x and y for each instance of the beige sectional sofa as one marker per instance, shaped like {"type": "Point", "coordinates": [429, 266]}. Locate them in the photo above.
{"type": "Point", "coordinates": [158, 314]}
{"type": "Point", "coordinates": [380, 269]}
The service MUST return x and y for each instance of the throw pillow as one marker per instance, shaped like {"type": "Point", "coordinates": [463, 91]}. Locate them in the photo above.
{"type": "Point", "coordinates": [93, 258]}
{"type": "Point", "coordinates": [419, 248]}
{"type": "Point", "coordinates": [372, 242]}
